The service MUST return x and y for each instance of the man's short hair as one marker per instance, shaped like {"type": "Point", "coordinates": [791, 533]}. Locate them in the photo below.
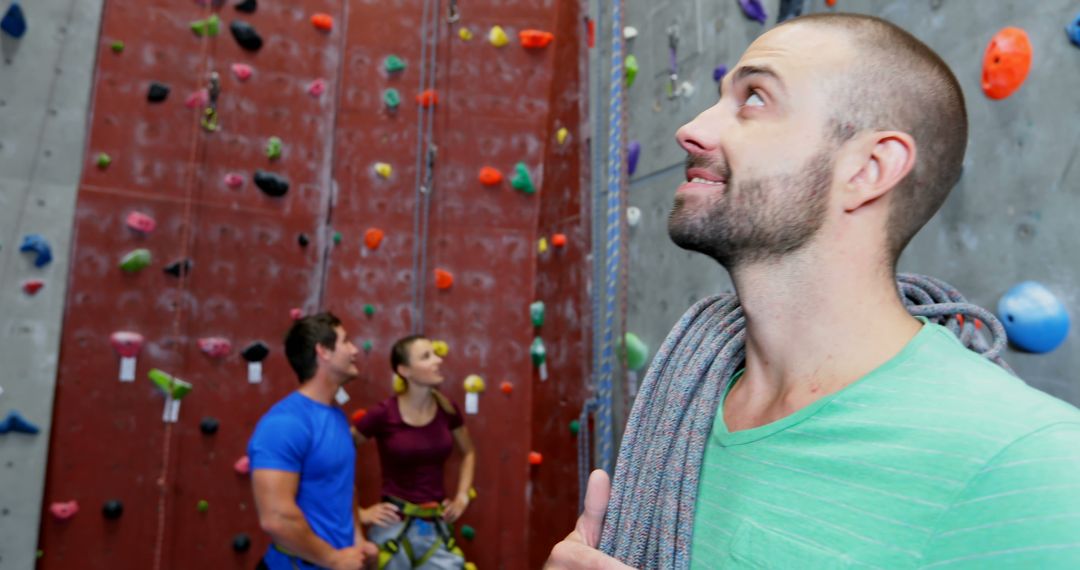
{"type": "Point", "coordinates": [898, 83]}
{"type": "Point", "coordinates": [303, 336]}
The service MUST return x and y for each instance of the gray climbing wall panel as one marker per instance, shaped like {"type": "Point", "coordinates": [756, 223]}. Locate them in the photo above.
{"type": "Point", "coordinates": [44, 93]}
{"type": "Point", "coordinates": [1008, 220]}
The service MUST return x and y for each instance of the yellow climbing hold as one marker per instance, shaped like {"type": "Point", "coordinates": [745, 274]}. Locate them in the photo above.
{"type": "Point", "coordinates": [465, 34]}
{"type": "Point", "coordinates": [497, 36]}
{"type": "Point", "coordinates": [470, 566]}
{"type": "Point", "coordinates": [399, 385]}
{"type": "Point", "coordinates": [542, 246]}
{"type": "Point", "coordinates": [383, 169]}
{"type": "Point", "coordinates": [440, 347]}
{"type": "Point", "coordinates": [472, 493]}
{"type": "Point", "coordinates": [561, 135]}
{"type": "Point", "coordinates": [474, 384]}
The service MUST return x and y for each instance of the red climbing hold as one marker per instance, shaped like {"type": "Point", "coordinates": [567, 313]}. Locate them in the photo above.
{"type": "Point", "coordinates": [215, 346]}
{"type": "Point", "coordinates": [242, 71]}
{"type": "Point", "coordinates": [490, 176]}
{"type": "Point", "coordinates": [535, 458]}
{"type": "Point", "coordinates": [428, 98]}
{"type": "Point", "coordinates": [506, 387]}
{"type": "Point", "coordinates": [197, 99]}
{"type": "Point", "coordinates": [317, 87]}
{"type": "Point", "coordinates": [32, 286]}
{"type": "Point", "coordinates": [1006, 63]}
{"type": "Point", "coordinates": [830, 3]}
{"type": "Point", "coordinates": [234, 180]}
{"type": "Point", "coordinates": [443, 279]}
{"type": "Point", "coordinates": [324, 22]}
{"type": "Point", "coordinates": [140, 222]}
{"type": "Point", "coordinates": [242, 465]}
{"type": "Point", "coordinates": [64, 511]}
{"type": "Point", "coordinates": [126, 343]}
{"type": "Point", "coordinates": [373, 237]}
{"type": "Point", "coordinates": [358, 415]}
{"type": "Point", "coordinates": [558, 240]}
{"type": "Point", "coordinates": [296, 314]}
{"type": "Point", "coordinates": [535, 39]}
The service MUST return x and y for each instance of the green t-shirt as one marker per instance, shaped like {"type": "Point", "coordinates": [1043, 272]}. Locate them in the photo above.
{"type": "Point", "coordinates": [937, 459]}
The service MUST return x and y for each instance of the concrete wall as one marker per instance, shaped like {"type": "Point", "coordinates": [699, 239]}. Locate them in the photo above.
{"type": "Point", "coordinates": [44, 93]}
{"type": "Point", "coordinates": [1007, 221]}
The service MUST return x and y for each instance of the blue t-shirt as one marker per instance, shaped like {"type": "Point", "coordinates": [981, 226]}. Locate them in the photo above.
{"type": "Point", "coordinates": [300, 435]}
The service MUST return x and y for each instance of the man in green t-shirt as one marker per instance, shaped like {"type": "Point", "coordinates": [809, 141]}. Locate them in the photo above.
{"type": "Point", "coordinates": [854, 436]}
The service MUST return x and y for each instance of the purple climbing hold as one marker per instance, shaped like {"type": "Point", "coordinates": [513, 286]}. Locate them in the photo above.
{"type": "Point", "coordinates": [17, 424]}
{"type": "Point", "coordinates": [245, 35]}
{"type": "Point", "coordinates": [256, 352]}
{"type": "Point", "coordinates": [40, 247]}
{"type": "Point", "coordinates": [157, 93]}
{"type": "Point", "coordinates": [719, 73]}
{"type": "Point", "coordinates": [270, 183]}
{"type": "Point", "coordinates": [753, 10]}
{"type": "Point", "coordinates": [633, 152]}
{"type": "Point", "coordinates": [14, 21]}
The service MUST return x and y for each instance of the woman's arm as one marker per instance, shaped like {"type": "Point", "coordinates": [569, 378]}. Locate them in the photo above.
{"type": "Point", "coordinates": [456, 507]}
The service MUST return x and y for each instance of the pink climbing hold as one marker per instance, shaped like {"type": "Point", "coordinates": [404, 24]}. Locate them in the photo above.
{"type": "Point", "coordinates": [140, 222]}
{"type": "Point", "coordinates": [242, 465]}
{"type": "Point", "coordinates": [317, 87]}
{"type": "Point", "coordinates": [126, 343]}
{"type": "Point", "coordinates": [234, 180]}
{"type": "Point", "coordinates": [197, 99]}
{"type": "Point", "coordinates": [215, 346]}
{"type": "Point", "coordinates": [296, 314]}
{"type": "Point", "coordinates": [242, 71]}
{"type": "Point", "coordinates": [64, 511]}
{"type": "Point", "coordinates": [32, 286]}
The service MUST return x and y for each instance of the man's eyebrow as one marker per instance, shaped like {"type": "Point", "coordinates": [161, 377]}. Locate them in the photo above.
{"type": "Point", "coordinates": [748, 71]}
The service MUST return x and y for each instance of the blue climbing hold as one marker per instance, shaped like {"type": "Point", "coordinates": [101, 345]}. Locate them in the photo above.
{"type": "Point", "coordinates": [38, 245]}
{"type": "Point", "coordinates": [789, 9]}
{"type": "Point", "coordinates": [1073, 30]}
{"type": "Point", "coordinates": [18, 424]}
{"type": "Point", "coordinates": [719, 73]}
{"type": "Point", "coordinates": [14, 21]}
{"type": "Point", "coordinates": [1034, 319]}
{"type": "Point", "coordinates": [633, 152]}
{"type": "Point", "coordinates": [753, 10]}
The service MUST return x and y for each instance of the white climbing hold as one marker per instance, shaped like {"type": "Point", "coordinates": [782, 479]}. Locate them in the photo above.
{"type": "Point", "coordinates": [633, 216]}
{"type": "Point", "coordinates": [629, 32]}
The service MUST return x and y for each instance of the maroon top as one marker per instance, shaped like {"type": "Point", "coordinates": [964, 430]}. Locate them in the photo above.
{"type": "Point", "coordinates": [412, 458]}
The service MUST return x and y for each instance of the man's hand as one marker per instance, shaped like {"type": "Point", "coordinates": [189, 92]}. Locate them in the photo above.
{"type": "Point", "coordinates": [578, 550]}
{"type": "Point", "coordinates": [455, 508]}
{"type": "Point", "coordinates": [351, 558]}
{"type": "Point", "coordinates": [370, 551]}
{"type": "Point", "coordinates": [381, 514]}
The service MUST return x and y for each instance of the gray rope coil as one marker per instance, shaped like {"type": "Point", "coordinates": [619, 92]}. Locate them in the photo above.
{"type": "Point", "coordinates": [650, 516]}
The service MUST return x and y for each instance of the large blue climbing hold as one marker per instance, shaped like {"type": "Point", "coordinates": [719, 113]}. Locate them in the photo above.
{"type": "Point", "coordinates": [18, 424]}
{"type": "Point", "coordinates": [14, 21]}
{"type": "Point", "coordinates": [633, 153]}
{"type": "Point", "coordinates": [1035, 320]}
{"type": "Point", "coordinates": [753, 10]}
{"type": "Point", "coordinates": [38, 245]}
{"type": "Point", "coordinates": [1073, 30]}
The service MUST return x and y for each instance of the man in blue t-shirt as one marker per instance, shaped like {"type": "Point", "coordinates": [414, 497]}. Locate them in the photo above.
{"type": "Point", "coordinates": [303, 459]}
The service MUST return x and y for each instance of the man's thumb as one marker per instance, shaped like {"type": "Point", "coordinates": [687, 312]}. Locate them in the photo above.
{"type": "Point", "coordinates": [596, 502]}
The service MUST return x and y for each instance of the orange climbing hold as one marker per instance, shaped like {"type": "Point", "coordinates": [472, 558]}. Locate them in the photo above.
{"type": "Point", "coordinates": [373, 237]}
{"type": "Point", "coordinates": [535, 39]}
{"type": "Point", "coordinates": [428, 98]}
{"type": "Point", "coordinates": [1006, 63]}
{"type": "Point", "coordinates": [830, 3]}
{"type": "Point", "coordinates": [324, 22]}
{"type": "Point", "coordinates": [506, 388]}
{"type": "Point", "coordinates": [558, 240]}
{"type": "Point", "coordinates": [535, 458]}
{"type": "Point", "coordinates": [358, 415]}
{"type": "Point", "coordinates": [443, 279]}
{"type": "Point", "coordinates": [490, 176]}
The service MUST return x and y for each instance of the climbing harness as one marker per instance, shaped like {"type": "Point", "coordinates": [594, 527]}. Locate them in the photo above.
{"type": "Point", "coordinates": [430, 513]}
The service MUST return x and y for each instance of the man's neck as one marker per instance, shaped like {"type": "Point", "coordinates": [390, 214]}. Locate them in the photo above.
{"type": "Point", "coordinates": [812, 329]}
{"type": "Point", "coordinates": [320, 388]}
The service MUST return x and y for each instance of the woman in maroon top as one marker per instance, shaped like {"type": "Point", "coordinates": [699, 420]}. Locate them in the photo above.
{"type": "Point", "coordinates": [416, 431]}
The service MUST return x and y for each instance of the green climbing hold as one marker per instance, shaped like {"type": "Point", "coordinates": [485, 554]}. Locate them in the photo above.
{"type": "Point", "coordinates": [391, 98]}
{"type": "Point", "coordinates": [368, 346]}
{"type": "Point", "coordinates": [203, 506]}
{"type": "Point", "coordinates": [393, 64]}
{"type": "Point", "coordinates": [522, 181]}
{"type": "Point", "coordinates": [637, 352]}
{"type": "Point", "coordinates": [136, 260]}
{"type": "Point", "coordinates": [174, 387]}
{"type": "Point", "coordinates": [337, 238]}
{"type": "Point", "coordinates": [575, 427]}
{"type": "Point", "coordinates": [40, 553]}
{"type": "Point", "coordinates": [369, 310]}
{"type": "Point", "coordinates": [117, 46]}
{"type": "Point", "coordinates": [208, 27]}
{"type": "Point", "coordinates": [103, 160]}
{"type": "Point", "coordinates": [536, 312]}
{"type": "Point", "coordinates": [273, 148]}
{"type": "Point", "coordinates": [630, 68]}
{"type": "Point", "coordinates": [468, 532]}
{"type": "Point", "coordinates": [538, 352]}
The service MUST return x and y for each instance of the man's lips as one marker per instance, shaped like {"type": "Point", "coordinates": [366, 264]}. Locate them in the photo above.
{"type": "Point", "coordinates": [703, 176]}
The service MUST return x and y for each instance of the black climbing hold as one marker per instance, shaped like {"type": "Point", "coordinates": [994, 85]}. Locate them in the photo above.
{"type": "Point", "coordinates": [270, 183]}
{"type": "Point", "coordinates": [208, 425]}
{"type": "Point", "coordinates": [112, 509]}
{"type": "Point", "coordinates": [789, 9]}
{"type": "Point", "coordinates": [256, 352]}
{"type": "Point", "coordinates": [303, 240]}
{"type": "Point", "coordinates": [158, 92]}
{"type": "Point", "coordinates": [179, 268]}
{"type": "Point", "coordinates": [241, 542]}
{"type": "Point", "coordinates": [247, 6]}
{"type": "Point", "coordinates": [245, 35]}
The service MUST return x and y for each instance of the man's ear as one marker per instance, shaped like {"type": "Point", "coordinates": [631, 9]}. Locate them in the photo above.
{"type": "Point", "coordinates": [321, 352]}
{"type": "Point", "coordinates": [881, 161]}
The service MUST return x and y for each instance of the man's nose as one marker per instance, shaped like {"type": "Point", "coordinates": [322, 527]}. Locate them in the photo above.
{"type": "Point", "coordinates": [701, 135]}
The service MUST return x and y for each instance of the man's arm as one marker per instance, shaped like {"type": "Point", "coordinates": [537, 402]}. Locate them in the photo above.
{"type": "Point", "coordinates": [282, 519]}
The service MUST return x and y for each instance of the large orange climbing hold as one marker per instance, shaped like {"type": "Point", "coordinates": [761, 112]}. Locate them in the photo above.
{"type": "Point", "coordinates": [324, 22]}
{"type": "Point", "coordinates": [507, 388]}
{"type": "Point", "coordinates": [490, 176]}
{"type": "Point", "coordinates": [443, 279]}
{"type": "Point", "coordinates": [535, 458]}
{"type": "Point", "coordinates": [558, 240]}
{"type": "Point", "coordinates": [373, 237]}
{"type": "Point", "coordinates": [535, 39]}
{"type": "Point", "coordinates": [1006, 63]}
{"type": "Point", "coordinates": [428, 98]}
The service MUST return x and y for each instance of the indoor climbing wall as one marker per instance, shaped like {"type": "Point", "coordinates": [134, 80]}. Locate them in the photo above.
{"type": "Point", "coordinates": [1007, 222]}
{"type": "Point", "coordinates": [247, 162]}
{"type": "Point", "coordinates": [46, 64]}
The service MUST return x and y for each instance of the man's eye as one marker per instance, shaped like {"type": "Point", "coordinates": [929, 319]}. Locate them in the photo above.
{"type": "Point", "coordinates": [754, 100]}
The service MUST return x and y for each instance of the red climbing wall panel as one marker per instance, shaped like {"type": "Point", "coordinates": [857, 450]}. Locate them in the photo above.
{"type": "Point", "coordinates": [497, 107]}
